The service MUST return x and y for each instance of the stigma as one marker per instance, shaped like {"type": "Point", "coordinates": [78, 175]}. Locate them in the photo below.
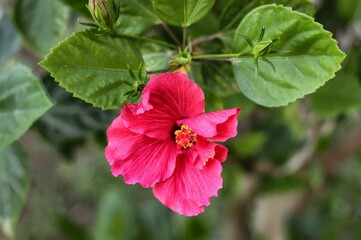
{"type": "Point", "coordinates": [185, 137]}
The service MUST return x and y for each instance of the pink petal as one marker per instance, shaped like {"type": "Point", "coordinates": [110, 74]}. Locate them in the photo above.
{"type": "Point", "coordinates": [218, 126]}
{"type": "Point", "coordinates": [204, 150]}
{"type": "Point", "coordinates": [189, 189]}
{"type": "Point", "coordinates": [221, 153]}
{"type": "Point", "coordinates": [165, 99]}
{"type": "Point", "coordinates": [138, 158]}
{"type": "Point", "coordinates": [120, 141]}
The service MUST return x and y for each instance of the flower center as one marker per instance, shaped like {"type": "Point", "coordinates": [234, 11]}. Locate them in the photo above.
{"type": "Point", "coordinates": [185, 137]}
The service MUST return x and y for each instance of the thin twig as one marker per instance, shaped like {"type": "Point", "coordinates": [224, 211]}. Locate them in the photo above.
{"type": "Point", "coordinates": [204, 39]}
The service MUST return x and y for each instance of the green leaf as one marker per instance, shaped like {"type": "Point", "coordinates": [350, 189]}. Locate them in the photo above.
{"type": "Point", "coordinates": [157, 60]}
{"type": "Point", "coordinates": [94, 67]}
{"type": "Point", "coordinates": [282, 184]}
{"type": "Point", "coordinates": [235, 10]}
{"type": "Point", "coordinates": [22, 101]}
{"type": "Point", "coordinates": [9, 40]}
{"type": "Point", "coordinates": [136, 16]}
{"type": "Point", "coordinates": [207, 26]}
{"type": "Point", "coordinates": [41, 22]}
{"type": "Point", "coordinates": [14, 183]}
{"type": "Point", "coordinates": [70, 228]}
{"type": "Point", "coordinates": [182, 12]}
{"type": "Point", "coordinates": [341, 94]}
{"type": "Point", "coordinates": [308, 56]}
{"type": "Point", "coordinates": [115, 217]}
{"type": "Point", "coordinates": [70, 121]}
{"type": "Point", "coordinates": [251, 143]}
{"type": "Point", "coordinates": [79, 6]}
{"type": "Point", "coordinates": [346, 9]}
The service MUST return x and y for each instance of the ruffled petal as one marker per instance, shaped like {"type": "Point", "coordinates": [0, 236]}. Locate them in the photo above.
{"type": "Point", "coordinates": [221, 153]}
{"type": "Point", "coordinates": [218, 126]}
{"type": "Point", "coordinates": [120, 141]}
{"type": "Point", "coordinates": [165, 99]}
{"type": "Point", "coordinates": [189, 189]}
{"type": "Point", "coordinates": [138, 158]}
{"type": "Point", "coordinates": [204, 150]}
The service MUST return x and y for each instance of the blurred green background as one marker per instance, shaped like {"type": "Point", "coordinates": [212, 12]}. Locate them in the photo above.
{"type": "Point", "coordinates": [292, 173]}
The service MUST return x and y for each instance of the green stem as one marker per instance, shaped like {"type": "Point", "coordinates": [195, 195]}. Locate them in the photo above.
{"type": "Point", "coordinates": [184, 37]}
{"type": "Point", "coordinates": [216, 56]}
{"type": "Point", "coordinates": [147, 39]}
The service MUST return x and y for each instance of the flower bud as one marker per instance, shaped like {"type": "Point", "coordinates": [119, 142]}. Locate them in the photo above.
{"type": "Point", "coordinates": [104, 12]}
{"type": "Point", "coordinates": [263, 48]}
{"type": "Point", "coordinates": [184, 59]}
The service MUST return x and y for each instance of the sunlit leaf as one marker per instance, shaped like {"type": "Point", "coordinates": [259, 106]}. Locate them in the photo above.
{"type": "Point", "coordinates": [22, 101]}
{"type": "Point", "coordinates": [14, 182]}
{"type": "Point", "coordinates": [94, 67]}
{"type": "Point", "coordinates": [307, 57]}
{"type": "Point", "coordinates": [41, 22]}
{"type": "Point", "coordinates": [235, 10]}
{"type": "Point", "coordinates": [182, 12]}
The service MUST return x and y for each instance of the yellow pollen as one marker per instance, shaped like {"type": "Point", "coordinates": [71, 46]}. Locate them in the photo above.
{"type": "Point", "coordinates": [185, 137]}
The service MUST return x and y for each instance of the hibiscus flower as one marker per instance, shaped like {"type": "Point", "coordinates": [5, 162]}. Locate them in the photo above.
{"type": "Point", "coordinates": [167, 142]}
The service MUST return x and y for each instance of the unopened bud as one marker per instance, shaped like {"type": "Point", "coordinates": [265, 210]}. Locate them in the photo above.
{"type": "Point", "coordinates": [184, 58]}
{"type": "Point", "coordinates": [263, 48]}
{"type": "Point", "coordinates": [104, 12]}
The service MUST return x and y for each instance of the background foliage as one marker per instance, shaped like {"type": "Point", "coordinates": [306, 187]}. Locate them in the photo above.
{"type": "Point", "coordinates": [293, 172]}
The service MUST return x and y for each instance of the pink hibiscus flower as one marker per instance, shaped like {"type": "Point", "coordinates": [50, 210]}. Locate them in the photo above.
{"type": "Point", "coordinates": [167, 142]}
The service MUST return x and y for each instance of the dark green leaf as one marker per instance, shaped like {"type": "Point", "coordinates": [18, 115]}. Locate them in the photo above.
{"type": "Point", "coordinates": [207, 26]}
{"type": "Point", "coordinates": [115, 217]}
{"type": "Point", "coordinates": [71, 229]}
{"type": "Point", "coordinates": [239, 100]}
{"type": "Point", "coordinates": [341, 94]}
{"type": "Point", "coordinates": [9, 40]}
{"type": "Point", "coordinates": [280, 142]}
{"type": "Point", "coordinates": [346, 9]}
{"type": "Point", "coordinates": [182, 12]}
{"type": "Point", "coordinates": [22, 101]}
{"type": "Point", "coordinates": [136, 16]}
{"type": "Point", "coordinates": [308, 56]}
{"type": "Point", "coordinates": [41, 22]}
{"type": "Point", "coordinates": [14, 183]}
{"type": "Point", "coordinates": [70, 121]}
{"type": "Point", "coordinates": [79, 6]}
{"type": "Point", "coordinates": [282, 184]}
{"type": "Point", "coordinates": [250, 143]}
{"type": "Point", "coordinates": [216, 78]}
{"type": "Point", "coordinates": [94, 67]}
